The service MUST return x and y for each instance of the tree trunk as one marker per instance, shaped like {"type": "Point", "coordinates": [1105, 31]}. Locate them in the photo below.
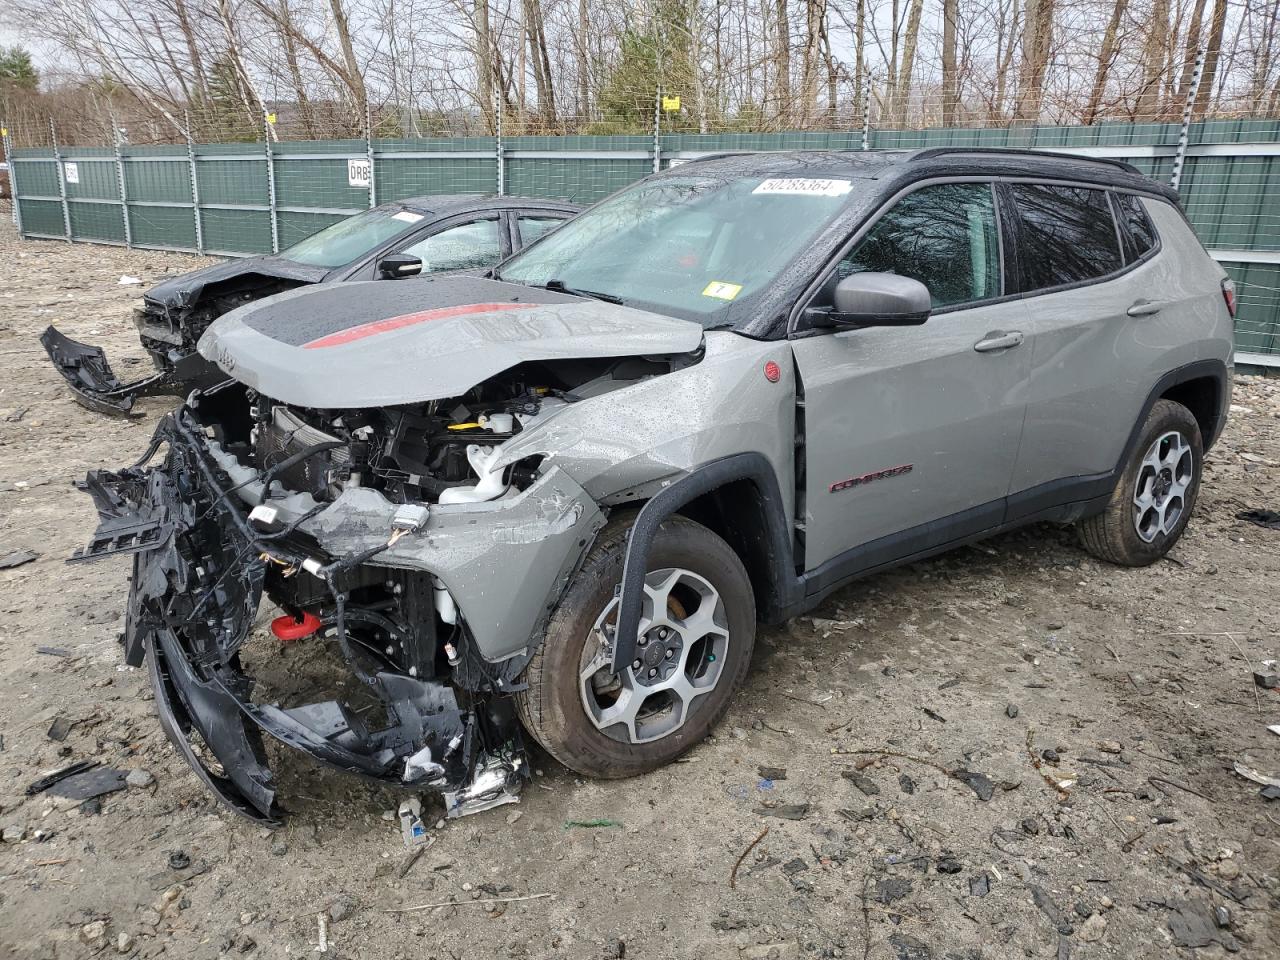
{"type": "Point", "coordinates": [484, 64]}
{"type": "Point", "coordinates": [782, 60]}
{"type": "Point", "coordinates": [1213, 53]}
{"type": "Point", "coordinates": [815, 16]}
{"type": "Point", "coordinates": [582, 50]}
{"type": "Point", "coordinates": [287, 31]}
{"type": "Point", "coordinates": [950, 82]}
{"type": "Point", "coordinates": [193, 48]}
{"type": "Point", "coordinates": [354, 76]}
{"type": "Point", "coordinates": [1154, 48]}
{"type": "Point", "coordinates": [1106, 58]}
{"type": "Point", "coordinates": [902, 89]}
{"type": "Point", "coordinates": [1037, 38]}
{"type": "Point", "coordinates": [536, 32]}
{"type": "Point", "coordinates": [859, 52]}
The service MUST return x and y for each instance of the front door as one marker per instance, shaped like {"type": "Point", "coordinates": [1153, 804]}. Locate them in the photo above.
{"type": "Point", "coordinates": [911, 433]}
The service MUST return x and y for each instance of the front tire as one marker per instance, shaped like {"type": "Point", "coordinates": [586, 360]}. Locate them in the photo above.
{"type": "Point", "coordinates": [1153, 499]}
{"type": "Point", "coordinates": [698, 628]}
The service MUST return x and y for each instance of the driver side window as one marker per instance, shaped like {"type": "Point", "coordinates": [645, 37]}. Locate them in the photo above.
{"type": "Point", "coordinates": [946, 236]}
{"type": "Point", "coordinates": [464, 247]}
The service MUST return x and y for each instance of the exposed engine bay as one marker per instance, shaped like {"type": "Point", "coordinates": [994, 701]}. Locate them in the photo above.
{"type": "Point", "coordinates": [253, 499]}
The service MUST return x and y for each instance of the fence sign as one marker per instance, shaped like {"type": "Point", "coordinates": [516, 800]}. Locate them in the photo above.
{"type": "Point", "coordinates": [71, 172]}
{"type": "Point", "coordinates": [358, 173]}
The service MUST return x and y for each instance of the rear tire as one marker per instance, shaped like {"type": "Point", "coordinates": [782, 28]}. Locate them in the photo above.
{"type": "Point", "coordinates": [710, 648]}
{"type": "Point", "coordinates": [1153, 499]}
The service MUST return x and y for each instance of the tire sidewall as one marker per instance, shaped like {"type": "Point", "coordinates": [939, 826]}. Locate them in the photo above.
{"type": "Point", "coordinates": [1165, 416]}
{"type": "Point", "coordinates": [576, 740]}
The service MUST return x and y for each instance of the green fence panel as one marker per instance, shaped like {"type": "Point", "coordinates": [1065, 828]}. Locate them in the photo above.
{"type": "Point", "coordinates": [90, 177]}
{"type": "Point", "coordinates": [42, 218]}
{"type": "Point", "coordinates": [318, 183]}
{"type": "Point", "coordinates": [225, 175]}
{"type": "Point", "coordinates": [157, 180]}
{"type": "Point", "coordinates": [1234, 202]}
{"type": "Point", "coordinates": [398, 178]}
{"type": "Point", "coordinates": [96, 221]}
{"type": "Point", "coordinates": [1258, 311]}
{"type": "Point", "coordinates": [166, 228]}
{"type": "Point", "coordinates": [245, 232]}
{"type": "Point", "coordinates": [35, 178]}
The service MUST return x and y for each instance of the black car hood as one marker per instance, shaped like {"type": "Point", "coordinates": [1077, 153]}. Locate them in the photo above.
{"type": "Point", "coordinates": [179, 292]}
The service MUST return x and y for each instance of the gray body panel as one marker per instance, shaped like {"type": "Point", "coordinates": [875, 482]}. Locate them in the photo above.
{"type": "Point", "coordinates": [427, 355]}
{"type": "Point", "coordinates": [890, 397]}
{"type": "Point", "coordinates": [1093, 364]}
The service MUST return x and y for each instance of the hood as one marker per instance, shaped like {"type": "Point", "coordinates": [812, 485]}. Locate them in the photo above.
{"type": "Point", "coordinates": [385, 343]}
{"type": "Point", "coordinates": [183, 291]}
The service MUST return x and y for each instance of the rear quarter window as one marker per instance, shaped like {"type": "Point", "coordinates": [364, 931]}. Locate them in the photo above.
{"type": "Point", "coordinates": [1136, 229]}
{"type": "Point", "coordinates": [1066, 235]}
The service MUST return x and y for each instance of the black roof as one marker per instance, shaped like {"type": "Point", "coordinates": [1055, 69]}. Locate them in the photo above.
{"type": "Point", "coordinates": [444, 203]}
{"type": "Point", "coordinates": [896, 168]}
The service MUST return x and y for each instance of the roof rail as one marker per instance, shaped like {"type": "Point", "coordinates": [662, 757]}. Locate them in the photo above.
{"type": "Point", "coordinates": [931, 152]}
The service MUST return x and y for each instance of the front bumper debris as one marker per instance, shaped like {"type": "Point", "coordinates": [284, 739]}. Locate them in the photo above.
{"type": "Point", "coordinates": [199, 569]}
{"type": "Point", "coordinates": [92, 381]}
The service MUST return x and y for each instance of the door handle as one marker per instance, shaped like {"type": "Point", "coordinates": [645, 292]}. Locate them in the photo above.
{"type": "Point", "coordinates": [1144, 308]}
{"type": "Point", "coordinates": [998, 340]}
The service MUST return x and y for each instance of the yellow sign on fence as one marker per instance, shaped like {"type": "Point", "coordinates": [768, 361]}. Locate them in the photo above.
{"type": "Point", "coordinates": [670, 104]}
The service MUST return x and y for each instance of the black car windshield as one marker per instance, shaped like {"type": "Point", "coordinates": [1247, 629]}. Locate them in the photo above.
{"type": "Point", "coordinates": [695, 247]}
{"type": "Point", "coordinates": [350, 239]}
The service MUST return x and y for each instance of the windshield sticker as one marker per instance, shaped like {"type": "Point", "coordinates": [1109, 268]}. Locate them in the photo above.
{"type": "Point", "coordinates": [406, 217]}
{"type": "Point", "coordinates": [804, 187]}
{"type": "Point", "coordinates": [721, 290]}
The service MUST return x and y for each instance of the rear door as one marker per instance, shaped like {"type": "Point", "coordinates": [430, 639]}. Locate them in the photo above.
{"type": "Point", "coordinates": [1094, 305]}
{"type": "Point", "coordinates": [528, 225]}
{"type": "Point", "coordinates": [911, 433]}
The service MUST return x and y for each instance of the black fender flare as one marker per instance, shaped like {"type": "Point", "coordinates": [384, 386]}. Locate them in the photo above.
{"type": "Point", "coordinates": [782, 581]}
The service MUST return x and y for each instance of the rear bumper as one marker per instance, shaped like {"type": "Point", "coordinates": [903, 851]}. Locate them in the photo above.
{"type": "Point", "coordinates": [197, 584]}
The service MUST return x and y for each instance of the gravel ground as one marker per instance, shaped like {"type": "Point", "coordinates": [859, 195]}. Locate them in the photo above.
{"type": "Point", "coordinates": [918, 816]}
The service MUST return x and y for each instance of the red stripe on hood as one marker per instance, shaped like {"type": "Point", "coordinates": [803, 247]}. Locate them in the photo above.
{"type": "Point", "coordinates": [409, 319]}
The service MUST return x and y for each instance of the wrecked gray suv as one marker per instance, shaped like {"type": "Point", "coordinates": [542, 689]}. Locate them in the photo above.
{"type": "Point", "coordinates": [557, 500]}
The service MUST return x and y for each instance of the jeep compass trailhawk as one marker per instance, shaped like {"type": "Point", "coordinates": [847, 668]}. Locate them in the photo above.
{"type": "Point", "coordinates": [558, 499]}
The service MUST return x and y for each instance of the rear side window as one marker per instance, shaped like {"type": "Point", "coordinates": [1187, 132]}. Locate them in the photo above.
{"type": "Point", "coordinates": [531, 228]}
{"type": "Point", "coordinates": [946, 236]}
{"type": "Point", "coordinates": [1067, 235]}
{"type": "Point", "coordinates": [1136, 229]}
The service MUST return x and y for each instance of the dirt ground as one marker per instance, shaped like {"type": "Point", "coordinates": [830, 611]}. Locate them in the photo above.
{"type": "Point", "coordinates": [912, 716]}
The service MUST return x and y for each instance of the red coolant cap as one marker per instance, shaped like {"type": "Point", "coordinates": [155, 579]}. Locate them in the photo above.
{"type": "Point", "coordinates": [287, 628]}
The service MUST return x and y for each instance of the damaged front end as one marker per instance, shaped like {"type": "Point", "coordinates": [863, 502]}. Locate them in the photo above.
{"type": "Point", "coordinates": [432, 712]}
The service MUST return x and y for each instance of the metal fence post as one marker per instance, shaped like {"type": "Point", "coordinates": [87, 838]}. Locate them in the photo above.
{"type": "Point", "coordinates": [13, 175]}
{"type": "Point", "coordinates": [195, 186]}
{"type": "Point", "coordinates": [497, 146]}
{"type": "Point", "coordinates": [120, 184]}
{"type": "Point", "coordinates": [368, 149]}
{"type": "Point", "coordinates": [62, 181]}
{"type": "Point", "coordinates": [657, 129]}
{"type": "Point", "coordinates": [271, 182]}
{"type": "Point", "coordinates": [1184, 133]}
{"type": "Point", "coordinates": [866, 110]}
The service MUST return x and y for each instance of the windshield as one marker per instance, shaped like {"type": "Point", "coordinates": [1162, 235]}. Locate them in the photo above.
{"type": "Point", "coordinates": [352, 238]}
{"type": "Point", "coordinates": [692, 247]}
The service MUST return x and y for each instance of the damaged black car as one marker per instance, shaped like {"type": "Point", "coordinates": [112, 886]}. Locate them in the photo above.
{"type": "Point", "coordinates": [418, 236]}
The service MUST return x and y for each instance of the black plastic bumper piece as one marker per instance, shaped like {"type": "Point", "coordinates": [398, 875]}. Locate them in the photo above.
{"type": "Point", "coordinates": [91, 379]}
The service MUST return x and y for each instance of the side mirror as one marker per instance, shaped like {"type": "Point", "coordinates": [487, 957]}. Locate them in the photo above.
{"type": "Point", "coordinates": [877, 300]}
{"type": "Point", "coordinates": [397, 265]}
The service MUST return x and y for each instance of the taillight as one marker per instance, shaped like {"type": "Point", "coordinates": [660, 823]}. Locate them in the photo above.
{"type": "Point", "coordinates": [1229, 296]}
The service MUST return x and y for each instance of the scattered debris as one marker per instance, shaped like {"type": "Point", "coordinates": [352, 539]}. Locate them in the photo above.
{"type": "Point", "coordinates": [979, 783]}
{"type": "Point", "coordinates": [592, 824]}
{"type": "Point", "coordinates": [787, 811]}
{"type": "Point", "coordinates": [13, 833]}
{"type": "Point", "coordinates": [1194, 924]}
{"type": "Point", "coordinates": [60, 729]}
{"type": "Point", "coordinates": [794, 866]}
{"type": "Point", "coordinates": [127, 281]}
{"type": "Point", "coordinates": [863, 783]}
{"type": "Point", "coordinates": [906, 784]}
{"type": "Point", "coordinates": [1011, 711]}
{"type": "Point", "coordinates": [1263, 518]}
{"type": "Point", "coordinates": [772, 773]}
{"type": "Point", "coordinates": [1093, 928]}
{"type": "Point", "coordinates": [54, 651]}
{"type": "Point", "coordinates": [1267, 681]}
{"type": "Point", "coordinates": [179, 860]}
{"type": "Point", "coordinates": [90, 784]}
{"type": "Point", "coordinates": [890, 889]}
{"type": "Point", "coordinates": [733, 874]}
{"type": "Point", "coordinates": [471, 903]}
{"type": "Point", "coordinates": [1110, 746]}
{"type": "Point", "coordinates": [48, 780]}
{"type": "Point", "coordinates": [412, 830]}
{"type": "Point", "coordinates": [1249, 773]}
{"type": "Point", "coordinates": [322, 935]}
{"type": "Point", "coordinates": [1270, 792]}
{"type": "Point", "coordinates": [980, 885]}
{"type": "Point", "coordinates": [934, 715]}
{"type": "Point", "coordinates": [17, 559]}
{"type": "Point", "coordinates": [909, 948]}
{"type": "Point", "coordinates": [16, 414]}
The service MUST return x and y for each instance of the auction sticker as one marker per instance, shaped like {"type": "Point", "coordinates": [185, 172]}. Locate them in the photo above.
{"type": "Point", "coordinates": [407, 216]}
{"type": "Point", "coordinates": [721, 290]}
{"type": "Point", "coordinates": [804, 187]}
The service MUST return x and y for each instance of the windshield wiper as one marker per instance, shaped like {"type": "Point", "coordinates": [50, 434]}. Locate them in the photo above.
{"type": "Point", "coordinates": [559, 287]}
